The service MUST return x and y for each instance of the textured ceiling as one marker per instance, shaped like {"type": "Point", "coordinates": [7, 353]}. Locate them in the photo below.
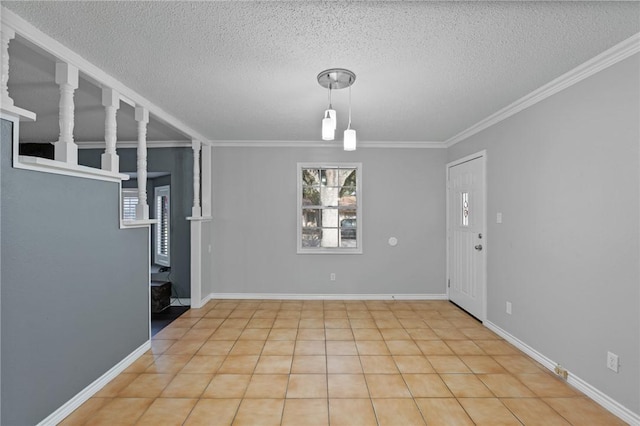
{"type": "Point", "coordinates": [247, 70]}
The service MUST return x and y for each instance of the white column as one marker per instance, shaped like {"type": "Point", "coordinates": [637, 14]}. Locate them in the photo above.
{"type": "Point", "coordinates": [67, 78]}
{"type": "Point", "coordinates": [6, 35]}
{"type": "Point", "coordinates": [206, 180]}
{"type": "Point", "coordinates": [196, 210]}
{"type": "Point", "coordinates": [142, 209]}
{"type": "Point", "coordinates": [111, 103]}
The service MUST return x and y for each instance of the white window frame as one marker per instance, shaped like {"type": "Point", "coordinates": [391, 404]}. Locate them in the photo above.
{"type": "Point", "coordinates": [359, 227]}
{"type": "Point", "coordinates": [127, 195]}
{"type": "Point", "coordinates": [160, 258]}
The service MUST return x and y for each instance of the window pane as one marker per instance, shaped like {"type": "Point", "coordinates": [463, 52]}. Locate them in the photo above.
{"type": "Point", "coordinates": [348, 229]}
{"type": "Point", "coordinates": [311, 237]}
{"type": "Point", "coordinates": [330, 218]}
{"type": "Point", "coordinates": [311, 218]}
{"type": "Point", "coordinates": [465, 209]}
{"type": "Point", "coordinates": [311, 177]}
{"type": "Point", "coordinates": [329, 196]}
{"type": "Point", "coordinates": [348, 197]}
{"type": "Point", "coordinates": [310, 196]}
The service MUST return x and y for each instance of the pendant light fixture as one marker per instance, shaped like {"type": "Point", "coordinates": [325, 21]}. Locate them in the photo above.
{"type": "Point", "coordinates": [334, 79]}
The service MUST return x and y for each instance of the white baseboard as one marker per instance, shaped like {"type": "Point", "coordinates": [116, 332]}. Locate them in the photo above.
{"type": "Point", "coordinates": [598, 396]}
{"type": "Point", "coordinates": [71, 405]}
{"type": "Point", "coordinates": [180, 301]}
{"type": "Point", "coordinates": [303, 296]}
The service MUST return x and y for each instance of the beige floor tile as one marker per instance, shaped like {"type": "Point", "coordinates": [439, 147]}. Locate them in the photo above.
{"type": "Point", "coordinates": [394, 334]}
{"type": "Point", "coordinates": [422, 334]}
{"type": "Point", "coordinates": [464, 347]}
{"type": "Point", "coordinates": [413, 364]}
{"type": "Point", "coordinates": [120, 411]}
{"type": "Point", "coordinates": [216, 347]}
{"type": "Point", "coordinates": [337, 347]}
{"type": "Point", "coordinates": [434, 347]}
{"type": "Point", "coordinates": [309, 347]}
{"type": "Point", "coordinates": [403, 347]}
{"type": "Point", "coordinates": [146, 386]}
{"type": "Point", "coordinates": [449, 334]}
{"type": "Point", "coordinates": [307, 386]}
{"type": "Point", "coordinates": [443, 412]}
{"type": "Point", "coordinates": [239, 364]}
{"type": "Point", "coordinates": [387, 386]}
{"type": "Point", "coordinates": [116, 385]}
{"type": "Point", "coordinates": [235, 323]}
{"type": "Point", "coordinates": [311, 334]}
{"type": "Point", "coordinates": [315, 323]}
{"type": "Point", "coordinates": [184, 347]}
{"type": "Point", "coordinates": [358, 313]}
{"type": "Point", "coordinates": [259, 412]}
{"type": "Point", "coordinates": [351, 412]}
{"type": "Point", "coordinates": [448, 364]}
{"type": "Point", "coordinates": [171, 333]}
{"type": "Point", "coordinates": [583, 411]}
{"type": "Point", "coordinates": [226, 334]}
{"type": "Point", "coordinates": [279, 347]}
{"type": "Point", "coordinates": [254, 334]}
{"type": "Point", "coordinates": [546, 385]}
{"type": "Point", "coordinates": [167, 411]}
{"type": "Point", "coordinates": [267, 386]}
{"type": "Point", "coordinates": [480, 364]}
{"type": "Point", "coordinates": [247, 347]}
{"type": "Point", "coordinates": [466, 386]}
{"type": "Point", "coordinates": [208, 323]}
{"type": "Point", "coordinates": [336, 323]}
{"type": "Point", "coordinates": [82, 414]}
{"type": "Point", "coordinates": [347, 386]}
{"type": "Point", "coordinates": [378, 364]}
{"type": "Point", "coordinates": [370, 347]}
{"type": "Point", "coordinates": [274, 364]}
{"type": "Point", "coordinates": [289, 323]}
{"type": "Point", "coordinates": [307, 412]}
{"type": "Point", "coordinates": [343, 364]}
{"type": "Point", "coordinates": [518, 364]}
{"type": "Point", "coordinates": [309, 364]}
{"type": "Point", "coordinates": [283, 334]}
{"type": "Point", "coordinates": [213, 412]}
{"type": "Point", "coordinates": [389, 322]}
{"type": "Point", "coordinates": [426, 386]}
{"type": "Point", "coordinates": [366, 334]}
{"type": "Point", "coordinates": [488, 412]}
{"type": "Point", "coordinates": [534, 412]}
{"type": "Point", "coordinates": [203, 364]}
{"type": "Point", "coordinates": [505, 386]}
{"type": "Point", "coordinates": [260, 323]}
{"type": "Point", "coordinates": [339, 334]}
{"type": "Point", "coordinates": [397, 411]}
{"type": "Point", "coordinates": [416, 323]}
{"type": "Point", "coordinates": [227, 386]}
{"type": "Point", "coordinates": [187, 386]}
{"type": "Point", "coordinates": [496, 347]}
{"type": "Point", "coordinates": [362, 323]}
{"type": "Point", "coordinates": [200, 334]}
{"type": "Point", "coordinates": [476, 333]}
{"type": "Point", "coordinates": [159, 346]}
{"type": "Point", "coordinates": [438, 323]}
{"type": "Point", "coordinates": [242, 313]}
{"type": "Point", "coordinates": [168, 364]}
{"type": "Point", "coordinates": [335, 313]}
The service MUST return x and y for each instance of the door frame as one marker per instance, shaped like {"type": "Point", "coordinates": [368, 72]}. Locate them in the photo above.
{"type": "Point", "coordinates": [483, 156]}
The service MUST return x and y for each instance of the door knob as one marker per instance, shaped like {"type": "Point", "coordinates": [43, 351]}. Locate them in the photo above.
{"type": "Point", "coordinates": [478, 247]}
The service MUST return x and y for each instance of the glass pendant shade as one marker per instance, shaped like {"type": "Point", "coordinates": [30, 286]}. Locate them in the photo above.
{"type": "Point", "coordinates": [332, 115]}
{"type": "Point", "coordinates": [328, 127]}
{"type": "Point", "coordinates": [349, 140]}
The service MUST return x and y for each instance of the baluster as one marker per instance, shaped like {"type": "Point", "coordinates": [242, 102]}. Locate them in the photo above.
{"type": "Point", "coordinates": [111, 103]}
{"type": "Point", "coordinates": [142, 117]}
{"type": "Point", "coordinates": [65, 148]}
{"type": "Point", "coordinates": [206, 180]}
{"type": "Point", "coordinates": [195, 210]}
{"type": "Point", "coordinates": [6, 35]}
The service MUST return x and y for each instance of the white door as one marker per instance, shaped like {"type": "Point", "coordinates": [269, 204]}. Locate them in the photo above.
{"type": "Point", "coordinates": [466, 234]}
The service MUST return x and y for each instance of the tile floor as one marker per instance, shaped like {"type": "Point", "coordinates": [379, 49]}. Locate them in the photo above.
{"type": "Point", "coordinates": [269, 362]}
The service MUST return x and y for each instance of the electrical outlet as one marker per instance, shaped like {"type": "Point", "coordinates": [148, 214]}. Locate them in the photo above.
{"type": "Point", "coordinates": [612, 361]}
{"type": "Point", "coordinates": [332, 276]}
{"type": "Point", "coordinates": [562, 372]}
{"type": "Point", "coordinates": [509, 308]}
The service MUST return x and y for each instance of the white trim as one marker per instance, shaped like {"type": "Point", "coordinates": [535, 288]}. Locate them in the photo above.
{"type": "Point", "coordinates": [143, 223]}
{"type": "Point", "coordinates": [598, 396]}
{"type": "Point", "coordinates": [62, 168]}
{"type": "Point", "coordinates": [199, 218]}
{"type": "Point", "coordinates": [303, 296]}
{"type": "Point", "coordinates": [483, 155]}
{"type": "Point", "coordinates": [596, 64]}
{"type": "Point", "coordinates": [134, 144]}
{"type": "Point", "coordinates": [84, 395]}
{"type": "Point", "coordinates": [322, 144]}
{"type": "Point", "coordinates": [195, 262]}
{"type": "Point", "coordinates": [21, 113]}
{"type": "Point", "coordinates": [91, 72]}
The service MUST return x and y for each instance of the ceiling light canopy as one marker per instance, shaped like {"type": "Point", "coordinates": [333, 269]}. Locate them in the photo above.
{"type": "Point", "coordinates": [334, 79]}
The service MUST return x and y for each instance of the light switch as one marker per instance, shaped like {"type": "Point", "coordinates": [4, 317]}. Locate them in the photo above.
{"type": "Point", "coordinates": [499, 217]}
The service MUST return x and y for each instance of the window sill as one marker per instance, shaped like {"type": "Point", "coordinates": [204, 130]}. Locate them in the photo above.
{"type": "Point", "coordinates": [20, 113]}
{"type": "Point", "coordinates": [58, 167]}
{"type": "Point", "coordinates": [128, 224]}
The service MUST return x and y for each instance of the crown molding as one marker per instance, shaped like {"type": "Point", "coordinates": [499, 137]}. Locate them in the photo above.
{"type": "Point", "coordinates": [91, 72]}
{"type": "Point", "coordinates": [323, 144]}
{"type": "Point", "coordinates": [604, 60]}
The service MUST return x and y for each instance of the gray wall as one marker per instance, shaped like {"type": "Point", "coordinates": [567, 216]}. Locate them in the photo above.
{"type": "Point", "coordinates": [178, 162]}
{"type": "Point", "coordinates": [254, 224]}
{"type": "Point", "coordinates": [75, 292]}
{"type": "Point", "coordinates": [565, 175]}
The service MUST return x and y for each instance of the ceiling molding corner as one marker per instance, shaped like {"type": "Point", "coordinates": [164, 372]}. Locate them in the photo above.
{"type": "Point", "coordinates": [598, 63]}
{"type": "Point", "coordinates": [323, 144]}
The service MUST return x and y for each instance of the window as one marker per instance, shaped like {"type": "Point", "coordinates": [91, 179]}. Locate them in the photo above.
{"type": "Point", "coordinates": [163, 215]}
{"type": "Point", "coordinates": [129, 203]}
{"type": "Point", "coordinates": [329, 205]}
